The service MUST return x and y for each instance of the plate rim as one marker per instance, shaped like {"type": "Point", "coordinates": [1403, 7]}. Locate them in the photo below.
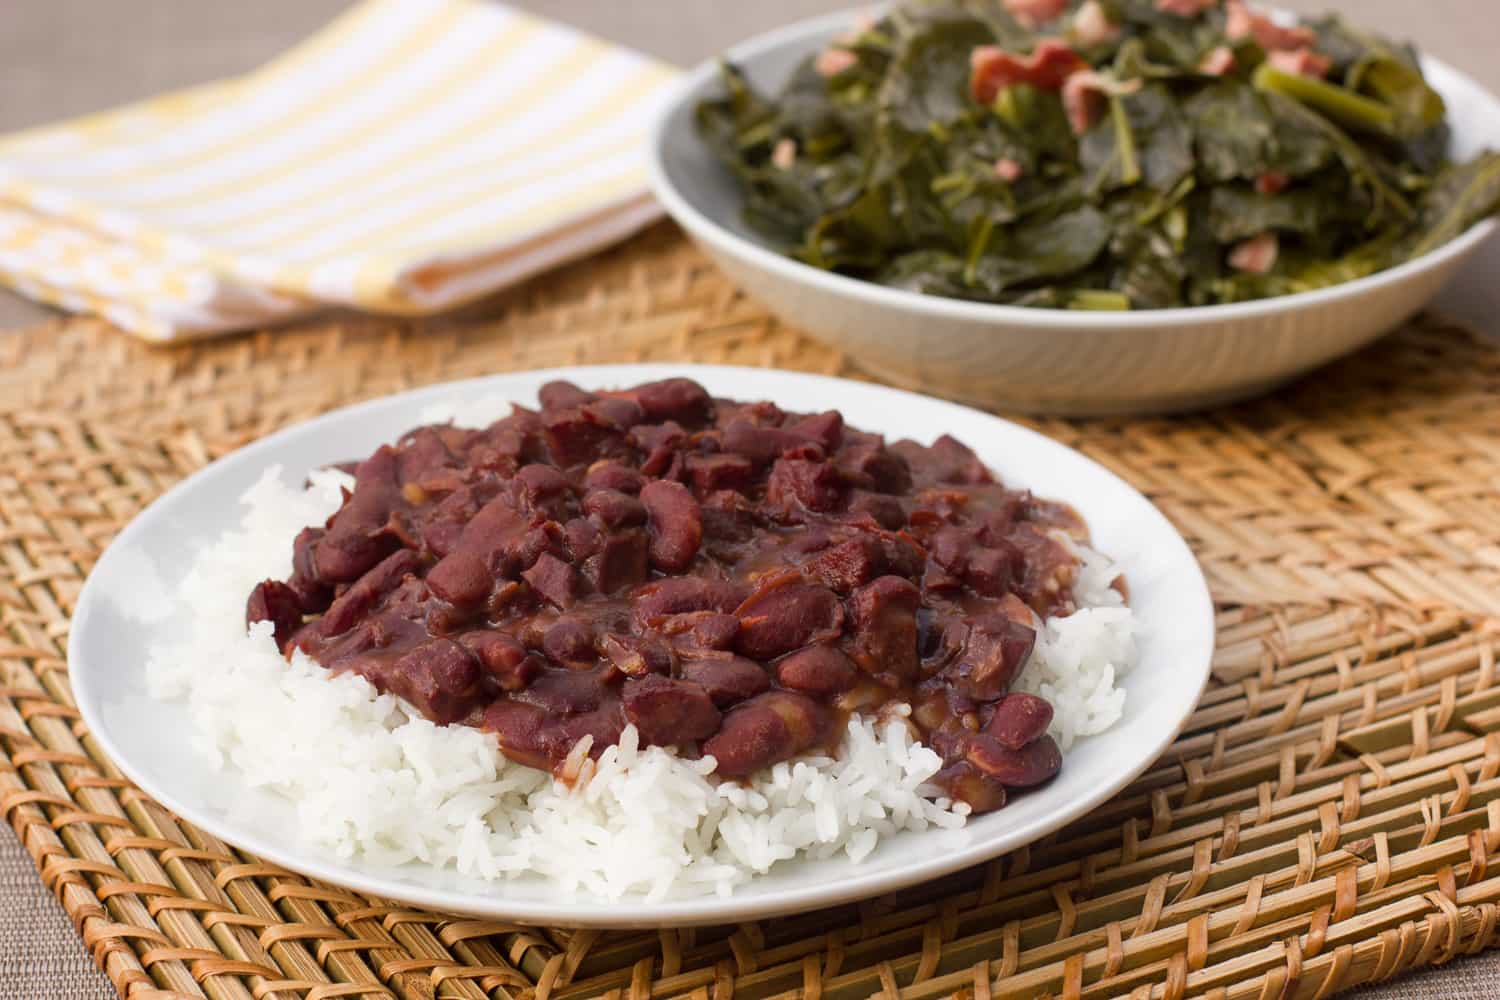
{"type": "Point", "coordinates": [635, 913]}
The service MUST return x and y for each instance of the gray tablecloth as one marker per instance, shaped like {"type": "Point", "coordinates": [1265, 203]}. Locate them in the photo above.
{"type": "Point", "coordinates": [67, 57]}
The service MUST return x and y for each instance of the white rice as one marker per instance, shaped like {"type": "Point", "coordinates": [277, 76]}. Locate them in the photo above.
{"type": "Point", "coordinates": [369, 776]}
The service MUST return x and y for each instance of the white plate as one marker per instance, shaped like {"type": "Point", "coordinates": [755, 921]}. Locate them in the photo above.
{"type": "Point", "coordinates": [114, 627]}
{"type": "Point", "coordinates": [1042, 360]}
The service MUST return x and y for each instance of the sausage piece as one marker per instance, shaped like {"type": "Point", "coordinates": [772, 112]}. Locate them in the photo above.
{"type": "Point", "coordinates": [275, 602]}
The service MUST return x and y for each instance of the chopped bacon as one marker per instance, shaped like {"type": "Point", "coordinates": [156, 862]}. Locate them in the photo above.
{"type": "Point", "coordinates": [1008, 170]}
{"type": "Point", "coordinates": [992, 69]}
{"type": "Point", "coordinates": [1081, 93]}
{"type": "Point", "coordinates": [1035, 13]}
{"type": "Point", "coordinates": [1304, 62]}
{"type": "Point", "coordinates": [832, 62]}
{"type": "Point", "coordinates": [1092, 26]}
{"type": "Point", "coordinates": [784, 154]}
{"type": "Point", "coordinates": [862, 24]}
{"type": "Point", "coordinates": [1272, 182]}
{"type": "Point", "coordinates": [1256, 255]}
{"type": "Point", "coordinates": [1238, 21]}
{"type": "Point", "coordinates": [1185, 8]}
{"type": "Point", "coordinates": [1268, 34]}
{"type": "Point", "coordinates": [1218, 61]}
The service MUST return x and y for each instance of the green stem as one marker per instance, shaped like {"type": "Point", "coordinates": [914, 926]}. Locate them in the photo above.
{"type": "Point", "coordinates": [1098, 300]}
{"type": "Point", "coordinates": [977, 248]}
{"type": "Point", "coordinates": [1130, 166]}
{"type": "Point", "coordinates": [1339, 103]}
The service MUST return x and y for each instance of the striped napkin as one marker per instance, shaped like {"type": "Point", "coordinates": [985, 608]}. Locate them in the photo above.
{"type": "Point", "coordinates": [411, 156]}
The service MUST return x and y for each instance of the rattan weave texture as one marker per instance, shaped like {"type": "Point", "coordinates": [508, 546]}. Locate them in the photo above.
{"type": "Point", "coordinates": [1329, 817]}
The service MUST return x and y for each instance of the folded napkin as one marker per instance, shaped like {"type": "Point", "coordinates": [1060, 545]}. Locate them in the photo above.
{"type": "Point", "coordinates": [411, 156]}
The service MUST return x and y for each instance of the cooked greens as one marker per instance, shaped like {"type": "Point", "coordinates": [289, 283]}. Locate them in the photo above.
{"type": "Point", "coordinates": [1104, 154]}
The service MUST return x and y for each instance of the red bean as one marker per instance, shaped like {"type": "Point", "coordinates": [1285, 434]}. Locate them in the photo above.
{"type": "Point", "coordinates": [352, 544]}
{"type": "Point", "coordinates": [817, 670]}
{"type": "Point", "coordinates": [676, 595]}
{"type": "Point", "coordinates": [1027, 767]}
{"type": "Point", "coordinates": [570, 644]}
{"type": "Point", "coordinates": [715, 631]}
{"type": "Point", "coordinates": [525, 733]}
{"type": "Point", "coordinates": [960, 464]}
{"type": "Point", "coordinates": [1019, 719]}
{"type": "Point", "coordinates": [678, 399]}
{"type": "Point", "coordinates": [461, 578]}
{"type": "Point", "coordinates": [564, 692]}
{"type": "Point", "coordinates": [676, 525]}
{"type": "Point", "coordinates": [559, 395]}
{"type": "Point", "coordinates": [613, 508]}
{"type": "Point", "coordinates": [669, 712]}
{"type": "Point", "coordinates": [766, 729]}
{"type": "Point", "coordinates": [730, 575]}
{"type": "Point", "coordinates": [312, 593]}
{"type": "Point", "coordinates": [611, 475]}
{"type": "Point", "coordinates": [604, 724]}
{"type": "Point", "coordinates": [727, 678]}
{"type": "Point", "coordinates": [757, 443]}
{"type": "Point", "coordinates": [614, 412]}
{"type": "Point", "coordinates": [786, 616]}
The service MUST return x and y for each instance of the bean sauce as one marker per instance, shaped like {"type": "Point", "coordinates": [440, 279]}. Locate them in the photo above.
{"type": "Point", "coordinates": [730, 578]}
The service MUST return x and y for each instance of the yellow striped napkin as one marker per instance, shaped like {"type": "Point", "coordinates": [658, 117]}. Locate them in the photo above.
{"type": "Point", "coordinates": [411, 156]}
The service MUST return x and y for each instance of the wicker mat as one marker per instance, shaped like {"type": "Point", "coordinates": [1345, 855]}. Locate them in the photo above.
{"type": "Point", "coordinates": [1328, 818]}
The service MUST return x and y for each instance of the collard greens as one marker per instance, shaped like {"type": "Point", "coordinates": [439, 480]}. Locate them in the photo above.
{"type": "Point", "coordinates": [1204, 157]}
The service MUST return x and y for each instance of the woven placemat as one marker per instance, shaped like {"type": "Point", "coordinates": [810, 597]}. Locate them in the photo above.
{"type": "Point", "coordinates": [1328, 817]}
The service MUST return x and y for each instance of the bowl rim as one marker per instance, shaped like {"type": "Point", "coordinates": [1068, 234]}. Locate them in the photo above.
{"type": "Point", "coordinates": [711, 231]}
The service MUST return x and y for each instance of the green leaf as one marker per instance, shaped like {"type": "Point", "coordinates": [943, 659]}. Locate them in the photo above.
{"type": "Point", "coordinates": [1357, 160]}
{"type": "Point", "coordinates": [894, 177]}
{"type": "Point", "coordinates": [1236, 212]}
{"type": "Point", "coordinates": [1461, 197]}
{"type": "Point", "coordinates": [928, 77]}
{"type": "Point", "coordinates": [1144, 138]}
{"type": "Point", "coordinates": [1043, 248]}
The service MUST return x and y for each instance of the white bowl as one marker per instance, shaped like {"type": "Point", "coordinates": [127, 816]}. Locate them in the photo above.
{"type": "Point", "coordinates": [1043, 360]}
